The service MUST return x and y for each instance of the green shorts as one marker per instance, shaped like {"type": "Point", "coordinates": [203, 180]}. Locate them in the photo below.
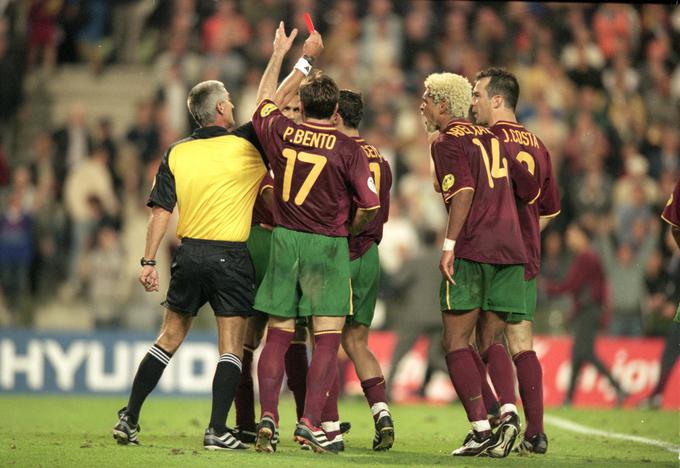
{"type": "Point", "coordinates": [258, 245]}
{"type": "Point", "coordinates": [365, 284]}
{"type": "Point", "coordinates": [308, 274]}
{"type": "Point", "coordinates": [530, 297]}
{"type": "Point", "coordinates": [484, 285]}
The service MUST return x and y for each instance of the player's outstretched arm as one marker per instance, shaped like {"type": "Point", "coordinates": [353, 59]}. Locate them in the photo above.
{"type": "Point", "coordinates": [282, 45]}
{"type": "Point", "coordinates": [289, 87]}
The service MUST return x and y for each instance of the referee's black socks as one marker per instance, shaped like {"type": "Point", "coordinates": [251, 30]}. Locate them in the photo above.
{"type": "Point", "coordinates": [225, 384]}
{"type": "Point", "coordinates": [148, 374]}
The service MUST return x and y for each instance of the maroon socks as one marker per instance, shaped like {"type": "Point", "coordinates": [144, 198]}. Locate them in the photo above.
{"type": "Point", "coordinates": [530, 378]}
{"type": "Point", "coordinates": [490, 402]}
{"type": "Point", "coordinates": [502, 376]}
{"type": "Point", "coordinates": [467, 382]}
{"type": "Point", "coordinates": [296, 371]}
{"type": "Point", "coordinates": [245, 400]}
{"type": "Point", "coordinates": [322, 371]}
{"type": "Point", "coordinates": [270, 370]}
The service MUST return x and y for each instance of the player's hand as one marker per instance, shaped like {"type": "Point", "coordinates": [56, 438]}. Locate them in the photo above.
{"type": "Point", "coordinates": [446, 265]}
{"type": "Point", "coordinates": [149, 278]}
{"type": "Point", "coordinates": [283, 43]}
{"type": "Point", "coordinates": [313, 45]}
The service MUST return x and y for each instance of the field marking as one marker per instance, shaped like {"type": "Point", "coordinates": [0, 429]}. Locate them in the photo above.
{"type": "Point", "coordinates": [581, 429]}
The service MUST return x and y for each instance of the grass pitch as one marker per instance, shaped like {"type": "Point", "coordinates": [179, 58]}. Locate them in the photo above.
{"type": "Point", "coordinates": [76, 431]}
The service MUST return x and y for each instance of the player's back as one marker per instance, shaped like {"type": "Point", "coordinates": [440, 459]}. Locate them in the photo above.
{"type": "Point", "coordinates": [382, 175]}
{"type": "Point", "coordinates": [318, 171]}
{"type": "Point", "coordinates": [529, 150]}
{"type": "Point", "coordinates": [470, 157]}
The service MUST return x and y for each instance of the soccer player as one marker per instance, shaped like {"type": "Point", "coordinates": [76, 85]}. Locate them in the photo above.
{"type": "Point", "coordinates": [494, 99]}
{"type": "Point", "coordinates": [671, 350]}
{"type": "Point", "coordinates": [212, 177]}
{"type": "Point", "coordinates": [365, 270]}
{"type": "Point", "coordinates": [474, 173]}
{"type": "Point", "coordinates": [296, 356]}
{"type": "Point", "coordinates": [319, 172]}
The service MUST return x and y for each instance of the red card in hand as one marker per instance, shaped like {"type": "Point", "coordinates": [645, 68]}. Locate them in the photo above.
{"type": "Point", "coordinates": [308, 21]}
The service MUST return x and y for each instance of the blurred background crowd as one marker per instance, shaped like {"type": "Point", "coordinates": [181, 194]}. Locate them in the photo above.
{"type": "Point", "coordinates": [93, 91]}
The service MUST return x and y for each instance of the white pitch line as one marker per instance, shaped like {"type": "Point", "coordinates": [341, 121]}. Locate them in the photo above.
{"type": "Point", "coordinates": [581, 429]}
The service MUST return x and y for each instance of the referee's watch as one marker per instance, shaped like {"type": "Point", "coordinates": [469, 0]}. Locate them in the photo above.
{"type": "Point", "coordinates": [144, 262]}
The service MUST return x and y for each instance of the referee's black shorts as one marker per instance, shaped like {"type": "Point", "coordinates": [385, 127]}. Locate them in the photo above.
{"type": "Point", "coordinates": [218, 272]}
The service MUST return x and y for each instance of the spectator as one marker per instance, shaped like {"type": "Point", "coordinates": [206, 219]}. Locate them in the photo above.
{"type": "Point", "coordinates": [87, 187]}
{"type": "Point", "coordinates": [128, 17]}
{"type": "Point", "coordinates": [73, 141]}
{"type": "Point", "coordinates": [143, 134]}
{"type": "Point", "coordinates": [16, 252]}
{"type": "Point", "coordinates": [624, 267]}
{"type": "Point", "coordinates": [102, 272]}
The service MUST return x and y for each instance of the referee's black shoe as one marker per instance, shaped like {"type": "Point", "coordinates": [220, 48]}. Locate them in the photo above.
{"type": "Point", "coordinates": [213, 440]}
{"type": "Point", "coordinates": [125, 431]}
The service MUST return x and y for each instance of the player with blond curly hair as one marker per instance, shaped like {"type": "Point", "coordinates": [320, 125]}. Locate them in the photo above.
{"type": "Point", "coordinates": [475, 177]}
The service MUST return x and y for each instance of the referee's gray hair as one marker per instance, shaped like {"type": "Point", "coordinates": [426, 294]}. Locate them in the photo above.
{"type": "Point", "coordinates": [203, 99]}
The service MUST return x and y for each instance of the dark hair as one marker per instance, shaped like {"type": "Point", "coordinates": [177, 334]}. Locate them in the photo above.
{"type": "Point", "coordinates": [351, 108]}
{"type": "Point", "coordinates": [501, 83]}
{"type": "Point", "coordinates": [319, 95]}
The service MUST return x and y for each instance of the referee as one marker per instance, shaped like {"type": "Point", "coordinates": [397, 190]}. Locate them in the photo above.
{"type": "Point", "coordinates": [212, 177]}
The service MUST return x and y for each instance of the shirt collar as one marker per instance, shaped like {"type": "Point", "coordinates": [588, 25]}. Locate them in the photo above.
{"type": "Point", "coordinates": [210, 132]}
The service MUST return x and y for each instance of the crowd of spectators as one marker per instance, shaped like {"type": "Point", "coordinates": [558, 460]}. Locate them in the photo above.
{"type": "Point", "coordinates": [600, 86]}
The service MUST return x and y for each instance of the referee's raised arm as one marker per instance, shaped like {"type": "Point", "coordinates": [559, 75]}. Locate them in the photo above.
{"type": "Point", "coordinates": [213, 178]}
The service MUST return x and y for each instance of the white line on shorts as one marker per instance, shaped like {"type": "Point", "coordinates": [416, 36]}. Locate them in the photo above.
{"type": "Point", "coordinates": [581, 429]}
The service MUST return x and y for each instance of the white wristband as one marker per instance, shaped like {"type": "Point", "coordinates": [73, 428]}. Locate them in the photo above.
{"type": "Point", "coordinates": [304, 66]}
{"type": "Point", "coordinates": [448, 245]}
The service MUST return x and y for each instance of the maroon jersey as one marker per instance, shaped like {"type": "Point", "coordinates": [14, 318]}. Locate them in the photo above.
{"type": "Point", "coordinates": [585, 281]}
{"type": "Point", "coordinates": [671, 214]}
{"type": "Point", "coordinates": [382, 175]}
{"type": "Point", "coordinates": [526, 148]}
{"type": "Point", "coordinates": [470, 157]}
{"type": "Point", "coordinates": [261, 212]}
{"type": "Point", "coordinates": [318, 171]}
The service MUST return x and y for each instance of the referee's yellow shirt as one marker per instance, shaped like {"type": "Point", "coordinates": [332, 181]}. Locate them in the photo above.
{"type": "Point", "coordinates": [213, 176]}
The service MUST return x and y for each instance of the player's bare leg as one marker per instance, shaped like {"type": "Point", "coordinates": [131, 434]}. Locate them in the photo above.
{"type": "Point", "coordinates": [322, 370]}
{"type": "Point", "coordinates": [230, 331]}
{"type": "Point", "coordinates": [355, 343]}
{"type": "Point", "coordinates": [458, 328]}
{"type": "Point", "coordinates": [270, 376]}
{"type": "Point", "coordinates": [494, 354]}
{"type": "Point", "coordinates": [173, 331]}
{"type": "Point", "coordinates": [246, 426]}
{"type": "Point", "coordinates": [530, 379]}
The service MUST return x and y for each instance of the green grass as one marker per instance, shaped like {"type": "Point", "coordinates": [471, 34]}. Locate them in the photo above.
{"type": "Point", "coordinates": [76, 431]}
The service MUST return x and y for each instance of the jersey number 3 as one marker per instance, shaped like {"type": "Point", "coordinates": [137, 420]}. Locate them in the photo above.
{"type": "Point", "coordinates": [292, 156]}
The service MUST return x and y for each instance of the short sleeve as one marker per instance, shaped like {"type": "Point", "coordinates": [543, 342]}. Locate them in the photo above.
{"type": "Point", "coordinates": [549, 204]}
{"type": "Point", "coordinates": [523, 182]}
{"type": "Point", "coordinates": [365, 193]}
{"type": "Point", "coordinates": [671, 213]}
{"type": "Point", "coordinates": [267, 119]}
{"type": "Point", "coordinates": [451, 167]}
{"type": "Point", "coordinates": [267, 182]}
{"type": "Point", "coordinates": [247, 132]}
{"type": "Point", "coordinates": [163, 192]}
